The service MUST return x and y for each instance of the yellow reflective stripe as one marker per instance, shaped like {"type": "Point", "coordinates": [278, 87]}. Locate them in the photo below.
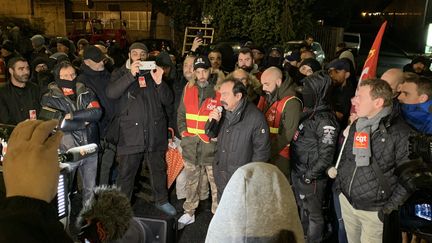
{"type": "Point", "coordinates": [274, 130]}
{"type": "Point", "coordinates": [196, 117]}
{"type": "Point", "coordinates": [195, 131]}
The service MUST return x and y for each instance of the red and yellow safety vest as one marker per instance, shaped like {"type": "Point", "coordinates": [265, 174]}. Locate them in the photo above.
{"type": "Point", "coordinates": [196, 117]}
{"type": "Point", "coordinates": [273, 116]}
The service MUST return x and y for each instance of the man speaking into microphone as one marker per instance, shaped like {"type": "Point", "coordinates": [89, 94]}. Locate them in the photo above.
{"type": "Point", "coordinates": [242, 133]}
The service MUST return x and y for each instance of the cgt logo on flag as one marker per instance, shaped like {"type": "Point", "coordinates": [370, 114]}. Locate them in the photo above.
{"type": "Point", "coordinates": [361, 140]}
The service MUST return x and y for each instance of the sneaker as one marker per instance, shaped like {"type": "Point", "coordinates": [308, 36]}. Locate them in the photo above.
{"type": "Point", "coordinates": [167, 208]}
{"type": "Point", "coordinates": [185, 219]}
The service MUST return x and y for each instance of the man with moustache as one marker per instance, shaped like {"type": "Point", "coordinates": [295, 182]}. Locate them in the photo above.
{"type": "Point", "coordinates": [19, 98]}
{"type": "Point", "coordinates": [143, 124]}
{"type": "Point", "coordinates": [245, 61]}
{"type": "Point", "coordinates": [199, 99]}
{"type": "Point", "coordinates": [282, 110]}
{"type": "Point", "coordinates": [242, 133]}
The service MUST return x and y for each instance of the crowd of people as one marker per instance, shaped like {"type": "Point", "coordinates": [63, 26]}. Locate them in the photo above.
{"type": "Point", "coordinates": [289, 111]}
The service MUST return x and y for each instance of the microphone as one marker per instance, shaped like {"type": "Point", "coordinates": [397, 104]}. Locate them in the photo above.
{"type": "Point", "coordinates": [213, 123]}
{"type": "Point", "coordinates": [78, 153]}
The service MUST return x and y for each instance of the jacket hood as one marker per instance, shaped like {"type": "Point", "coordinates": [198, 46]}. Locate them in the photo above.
{"type": "Point", "coordinates": [287, 88]}
{"type": "Point", "coordinates": [317, 84]}
{"type": "Point", "coordinates": [257, 205]}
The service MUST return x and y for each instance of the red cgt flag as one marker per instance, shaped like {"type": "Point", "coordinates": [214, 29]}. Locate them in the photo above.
{"type": "Point", "coordinates": [370, 65]}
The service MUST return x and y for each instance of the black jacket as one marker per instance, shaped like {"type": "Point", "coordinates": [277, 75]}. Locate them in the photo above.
{"type": "Point", "coordinates": [16, 103]}
{"type": "Point", "coordinates": [314, 144]}
{"type": "Point", "coordinates": [82, 129]}
{"type": "Point", "coordinates": [97, 81]}
{"type": "Point", "coordinates": [390, 149]}
{"type": "Point", "coordinates": [29, 220]}
{"type": "Point", "coordinates": [143, 123]}
{"type": "Point", "coordinates": [245, 139]}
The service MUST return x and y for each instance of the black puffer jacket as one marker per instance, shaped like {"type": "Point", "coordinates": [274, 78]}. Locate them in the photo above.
{"type": "Point", "coordinates": [143, 123]}
{"type": "Point", "coordinates": [315, 141]}
{"type": "Point", "coordinates": [360, 185]}
{"type": "Point", "coordinates": [245, 139]}
{"type": "Point", "coordinates": [82, 129]}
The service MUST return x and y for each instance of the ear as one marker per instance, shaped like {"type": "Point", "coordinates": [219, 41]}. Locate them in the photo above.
{"type": "Point", "coordinates": [379, 102]}
{"type": "Point", "coordinates": [129, 55]}
{"type": "Point", "coordinates": [10, 71]}
{"type": "Point", "coordinates": [278, 82]}
{"type": "Point", "coordinates": [423, 98]}
{"type": "Point", "coordinates": [100, 231]}
{"type": "Point", "coordinates": [239, 96]}
{"type": "Point", "coordinates": [347, 75]}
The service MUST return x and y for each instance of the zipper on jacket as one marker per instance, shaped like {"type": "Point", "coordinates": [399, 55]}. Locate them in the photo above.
{"type": "Point", "coordinates": [352, 179]}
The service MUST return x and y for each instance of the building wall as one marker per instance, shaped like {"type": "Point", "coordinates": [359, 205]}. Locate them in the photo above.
{"type": "Point", "coordinates": [16, 8]}
{"type": "Point", "coordinates": [53, 14]}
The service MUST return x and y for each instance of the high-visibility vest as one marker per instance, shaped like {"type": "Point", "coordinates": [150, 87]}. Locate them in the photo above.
{"type": "Point", "coordinates": [196, 117]}
{"type": "Point", "coordinates": [2, 71]}
{"type": "Point", "coordinates": [273, 116]}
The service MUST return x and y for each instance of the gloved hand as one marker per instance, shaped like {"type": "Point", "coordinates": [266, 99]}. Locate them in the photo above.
{"type": "Point", "coordinates": [31, 167]}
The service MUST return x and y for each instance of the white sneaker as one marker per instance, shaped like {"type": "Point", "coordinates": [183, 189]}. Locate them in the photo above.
{"type": "Point", "coordinates": [184, 220]}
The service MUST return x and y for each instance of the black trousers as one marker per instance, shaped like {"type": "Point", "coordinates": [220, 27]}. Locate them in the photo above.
{"type": "Point", "coordinates": [309, 199]}
{"type": "Point", "coordinates": [128, 169]}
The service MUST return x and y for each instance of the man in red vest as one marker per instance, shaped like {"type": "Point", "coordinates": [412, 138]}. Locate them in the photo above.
{"type": "Point", "coordinates": [282, 110]}
{"type": "Point", "coordinates": [199, 99]}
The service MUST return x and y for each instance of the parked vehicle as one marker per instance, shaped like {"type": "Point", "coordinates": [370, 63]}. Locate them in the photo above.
{"type": "Point", "coordinates": [95, 30]}
{"type": "Point", "coordinates": [352, 41]}
{"type": "Point", "coordinates": [296, 45]}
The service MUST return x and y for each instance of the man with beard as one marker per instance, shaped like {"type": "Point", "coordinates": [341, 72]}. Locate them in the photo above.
{"type": "Point", "coordinates": [199, 99]}
{"type": "Point", "coordinates": [19, 98]}
{"type": "Point", "coordinates": [143, 124]}
{"type": "Point", "coordinates": [282, 110]}
{"type": "Point", "coordinates": [245, 61]}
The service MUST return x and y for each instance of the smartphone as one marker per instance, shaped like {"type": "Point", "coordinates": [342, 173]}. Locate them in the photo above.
{"type": "Point", "coordinates": [200, 34]}
{"type": "Point", "coordinates": [423, 211]}
{"type": "Point", "coordinates": [147, 65]}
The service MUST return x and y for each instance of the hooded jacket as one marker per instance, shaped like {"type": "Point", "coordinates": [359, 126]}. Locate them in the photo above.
{"type": "Point", "coordinates": [314, 144]}
{"type": "Point", "coordinates": [289, 119]}
{"type": "Point", "coordinates": [258, 206]}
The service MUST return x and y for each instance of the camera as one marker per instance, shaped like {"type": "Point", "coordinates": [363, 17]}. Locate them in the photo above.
{"type": "Point", "coordinates": [147, 65]}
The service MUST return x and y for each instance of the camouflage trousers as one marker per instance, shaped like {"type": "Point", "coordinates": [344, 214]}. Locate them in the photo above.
{"type": "Point", "coordinates": [193, 186]}
{"type": "Point", "coordinates": [181, 181]}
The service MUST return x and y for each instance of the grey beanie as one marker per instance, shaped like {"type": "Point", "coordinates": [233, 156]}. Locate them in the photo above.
{"type": "Point", "coordinates": [138, 45]}
{"type": "Point", "coordinates": [38, 40]}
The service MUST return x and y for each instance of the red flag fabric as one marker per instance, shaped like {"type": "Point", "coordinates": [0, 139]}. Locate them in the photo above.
{"type": "Point", "coordinates": [370, 65]}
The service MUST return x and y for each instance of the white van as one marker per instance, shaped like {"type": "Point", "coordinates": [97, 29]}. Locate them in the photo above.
{"type": "Point", "coordinates": [352, 41]}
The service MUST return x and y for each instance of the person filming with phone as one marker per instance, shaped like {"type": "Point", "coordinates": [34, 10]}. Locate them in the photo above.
{"type": "Point", "coordinates": [142, 123]}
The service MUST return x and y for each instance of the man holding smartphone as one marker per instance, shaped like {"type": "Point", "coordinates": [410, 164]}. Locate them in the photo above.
{"type": "Point", "coordinates": [143, 124]}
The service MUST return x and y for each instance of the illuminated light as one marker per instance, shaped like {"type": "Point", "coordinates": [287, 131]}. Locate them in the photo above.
{"type": "Point", "coordinates": [363, 14]}
{"type": "Point", "coordinates": [429, 40]}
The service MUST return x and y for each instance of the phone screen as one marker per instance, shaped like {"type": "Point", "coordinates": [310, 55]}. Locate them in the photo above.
{"type": "Point", "coordinates": [423, 211]}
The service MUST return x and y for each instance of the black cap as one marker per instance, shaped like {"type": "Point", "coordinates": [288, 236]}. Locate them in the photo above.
{"type": "Point", "coordinates": [93, 53]}
{"type": "Point", "coordinates": [64, 41]}
{"type": "Point", "coordinates": [338, 64]}
{"type": "Point", "coordinates": [294, 56]}
{"type": "Point", "coordinates": [201, 62]}
{"type": "Point", "coordinates": [8, 46]}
